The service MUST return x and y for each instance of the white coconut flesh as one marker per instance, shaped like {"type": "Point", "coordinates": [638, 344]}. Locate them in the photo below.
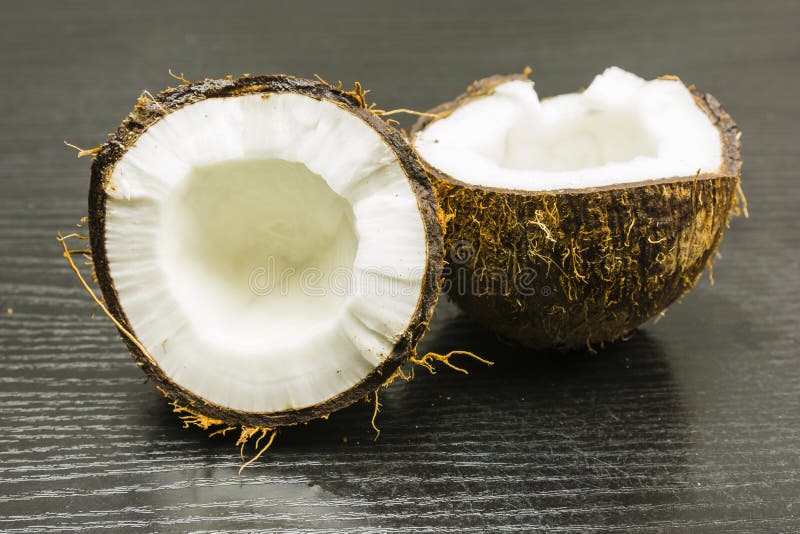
{"type": "Point", "coordinates": [621, 129]}
{"type": "Point", "coordinates": [267, 250]}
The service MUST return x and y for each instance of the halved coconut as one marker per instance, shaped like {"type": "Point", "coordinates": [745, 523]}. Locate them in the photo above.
{"type": "Point", "coordinates": [574, 219]}
{"type": "Point", "coordinates": [271, 245]}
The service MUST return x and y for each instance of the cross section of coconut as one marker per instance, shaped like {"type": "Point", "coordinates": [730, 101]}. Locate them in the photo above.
{"type": "Point", "coordinates": [573, 219]}
{"type": "Point", "coordinates": [270, 245]}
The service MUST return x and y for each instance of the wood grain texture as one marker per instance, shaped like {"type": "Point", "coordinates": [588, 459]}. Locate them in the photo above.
{"type": "Point", "coordinates": [692, 425]}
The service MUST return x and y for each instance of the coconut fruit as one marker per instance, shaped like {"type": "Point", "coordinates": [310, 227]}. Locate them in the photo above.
{"type": "Point", "coordinates": [572, 220]}
{"type": "Point", "coordinates": [268, 247]}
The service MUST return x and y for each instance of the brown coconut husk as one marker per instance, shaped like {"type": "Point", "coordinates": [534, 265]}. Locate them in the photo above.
{"type": "Point", "coordinates": [605, 259]}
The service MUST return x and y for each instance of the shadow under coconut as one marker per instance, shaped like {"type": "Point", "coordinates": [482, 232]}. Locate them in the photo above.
{"type": "Point", "coordinates": [537, 438]}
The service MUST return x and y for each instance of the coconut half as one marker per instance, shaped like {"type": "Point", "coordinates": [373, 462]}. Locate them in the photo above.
{"type": "Point", "coordinates": [270, 243]}
{"type": "Point", "coordinates": [573, 219]}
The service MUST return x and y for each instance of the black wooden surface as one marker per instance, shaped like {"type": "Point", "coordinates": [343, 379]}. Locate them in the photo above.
{"type": "Point", "coordinates": [693, 424]}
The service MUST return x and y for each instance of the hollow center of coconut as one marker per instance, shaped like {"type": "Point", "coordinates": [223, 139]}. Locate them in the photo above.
{"type": "Point", "coordinates": [251, 248]}
{"type": "Point", "coordinates": [621, 129]}
{"type": "Point", "coordinates": [268, 252]}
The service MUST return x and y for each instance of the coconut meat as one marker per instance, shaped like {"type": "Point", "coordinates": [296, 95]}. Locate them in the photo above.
{"type": "Point", "coordinates": [267, 250]}
{"type": "Point", "coordinates": [621, 129]}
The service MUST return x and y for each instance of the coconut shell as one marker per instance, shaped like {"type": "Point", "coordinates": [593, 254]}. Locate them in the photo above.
{"type": "Point", "coordinates": [573, 268]}
{"type": "Point", "coordinates": [147, 112]}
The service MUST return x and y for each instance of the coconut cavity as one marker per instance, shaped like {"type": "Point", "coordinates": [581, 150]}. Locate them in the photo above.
{"type": "Point", "coordinates": [270, 251]}
{"type": "Point", "coordinates": [250, 249]}
{"type": "Point", "coordinates": [621, 129]}
{"type": "Point", "coordinates": [574, 219]}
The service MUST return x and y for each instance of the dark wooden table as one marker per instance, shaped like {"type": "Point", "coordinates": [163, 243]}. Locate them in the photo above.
{"type": "Point", "coordinates": [693, 424]}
